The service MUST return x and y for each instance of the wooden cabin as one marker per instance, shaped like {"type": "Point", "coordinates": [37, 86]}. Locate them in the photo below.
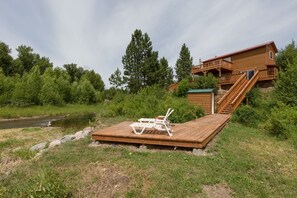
{"type": "Point", "coordinates": [229, 67]}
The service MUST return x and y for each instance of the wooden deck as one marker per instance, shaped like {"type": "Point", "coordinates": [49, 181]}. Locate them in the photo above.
{"type": "Point", "coordinates": [193, 134]}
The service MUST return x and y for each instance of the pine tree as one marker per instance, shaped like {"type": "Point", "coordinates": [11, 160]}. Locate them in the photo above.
{"type": "Point", "coordinates": [165, 73]}
{"type": "Point", "coordinates": [115, 79]}
{"type": "Point", "coordinates": [141, 65]}
{"type": "Point", "coordinates": [184, 63]}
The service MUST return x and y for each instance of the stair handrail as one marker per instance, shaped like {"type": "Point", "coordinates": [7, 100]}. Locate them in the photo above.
{"type": "Point", "coordinates": [228, 93]}
{"type": "Point", "coordinates": [244, 91]}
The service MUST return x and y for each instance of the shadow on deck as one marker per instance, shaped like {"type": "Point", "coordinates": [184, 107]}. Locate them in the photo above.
{"type": "Point", "coordinates": [193, 134]}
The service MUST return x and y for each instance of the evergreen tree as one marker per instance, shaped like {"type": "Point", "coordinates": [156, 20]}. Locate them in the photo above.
{"type": "Point", "coordinates": [115, 79]}
{"type": "Point", "coordinates": [184, 63]}
{"type": "Point", "coordinates": [140, 62]}
{"type": "Point", "coordinates": [6, 59]}
{"type": "Point", "coordinates": [286, 84]}
{"type": "Point", "coordinates": [165, 73]}
{"type": "Point", "coordinates": [286, 56]}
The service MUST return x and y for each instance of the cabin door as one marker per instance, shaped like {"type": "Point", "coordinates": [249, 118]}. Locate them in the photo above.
{"type": "Point", "coordinates": [250, 74]}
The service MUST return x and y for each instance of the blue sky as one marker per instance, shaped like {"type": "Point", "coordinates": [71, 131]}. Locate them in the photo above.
{"type": "Point", "coordinates": [94, 34]}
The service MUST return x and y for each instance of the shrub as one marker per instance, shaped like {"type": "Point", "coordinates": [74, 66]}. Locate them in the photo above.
{"type": "Point", "coordinates": [254, 97]}
{"type": "Point", "coordinates": [283, 122]}
{"type": "Point", "coordinates": [183, 88]}
{"type": "Point", "coordinates": [247, 116]}
{"type": "Point", "coordinates": [205, 82]}
{"type": "Point", "coordinates": [151, 102]}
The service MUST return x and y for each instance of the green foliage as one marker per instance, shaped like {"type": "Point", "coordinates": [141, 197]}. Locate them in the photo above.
{"type": "Point", "coordinates": [74, 72]}
{"type": "Point", "coordinates": [27, 90]}
{"type": "Point", "coordinates": [165, 74]}
{"type": "Point", "coordinates": [286, 56]}
{"type": "Point", "coordinates": [95, 79]}
{"type": "Point", "coordinates": [247, 116]}
{"type": "Point", "coordinates": [183, 88]}
{"type": "Point", "coordinates": [115, 79]}
{"type": "Point", "coordinates": [140, 62]}
{"type": "Point", "coordinates": [151, 102]}
{"type": "Point", "coordinates": [253, 97]}
{"type": "Point", "coordinates": [6, 59]}
{"type": "Point", "coordinates": [283, 122]}
{"type": "Point", "coordinates": [141, 65]}
{"type": "Point", "coordinates": [7, 86]}
{"type": "Point", "coordinates": [205, 82]}
{"type": "Point", "coordinates": [184, 63]}
{"type": "Point", "coordinates": [85, 93]}
{"type": "Point", "coordinates": [286, 84]}
{"type": "Point", "coordinates": [49, 94]}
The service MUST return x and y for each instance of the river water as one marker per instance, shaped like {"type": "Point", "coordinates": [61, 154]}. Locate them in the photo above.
{"type": "Point", "coordinates": [72, 121]}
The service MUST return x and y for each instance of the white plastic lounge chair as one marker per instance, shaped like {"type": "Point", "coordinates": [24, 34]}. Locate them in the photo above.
{"type": "Point", "coordinates": [160, 123]}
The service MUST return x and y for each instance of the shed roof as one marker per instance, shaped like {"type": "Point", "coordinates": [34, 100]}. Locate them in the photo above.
{"type": "Point", "coordinates": [200, 91]}
{"type": "Point", "coordinates": [244, 50]}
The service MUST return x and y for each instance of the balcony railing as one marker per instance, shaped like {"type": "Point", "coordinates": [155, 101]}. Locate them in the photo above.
{"type": "Point", "coordinates": [264, 74]}
{"type": "Point", "coordinates": [221, 63]}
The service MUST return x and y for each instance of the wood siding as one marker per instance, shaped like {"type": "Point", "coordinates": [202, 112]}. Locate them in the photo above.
{"type": "Point", "coordinates": [203, 100]}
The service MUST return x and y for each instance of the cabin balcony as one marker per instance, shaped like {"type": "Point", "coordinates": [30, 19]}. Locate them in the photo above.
{"type": "Point", "coordinates": [218, 65]}
{"type": "Point", "coordinates": [265, 74]}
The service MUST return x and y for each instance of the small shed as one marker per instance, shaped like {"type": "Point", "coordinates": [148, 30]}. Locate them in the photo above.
{"type": "Point", "coordinates": [204, 98]}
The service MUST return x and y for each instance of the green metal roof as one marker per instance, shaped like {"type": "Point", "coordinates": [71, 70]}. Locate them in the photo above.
{"type": "Point", "coordinates": [200, 91]}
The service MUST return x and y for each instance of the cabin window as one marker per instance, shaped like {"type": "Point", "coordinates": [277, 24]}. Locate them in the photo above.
{"type": "Point", "coordinates": [271, 55]}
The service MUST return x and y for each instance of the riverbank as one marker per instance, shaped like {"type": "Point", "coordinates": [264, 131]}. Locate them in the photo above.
{"type": "Point", "coordinates": [38, 111]}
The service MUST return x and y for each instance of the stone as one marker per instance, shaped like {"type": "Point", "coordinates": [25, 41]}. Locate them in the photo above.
{"type": "Point", "coordinates": [67, 138]}
{"type": "Point", "coordinates": [198, 152]}
{"type": "Point", "coordinates": [38, 147]}
{"type": "Point", "coordinates": [54, 143]}
{"type": "Point", "coordinates": [78, 135]}
{"type": "Point", "coordinates": [87, 130]}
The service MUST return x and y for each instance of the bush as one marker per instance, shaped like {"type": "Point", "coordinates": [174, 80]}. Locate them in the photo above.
{"type": "Point", "coordinates": [247, 116]}
{"type": "Point", "coordinates": [283, 122]}
{"type": "Point", "coordinates": [151, 102]}
{"type": "Point", "coordinates": [183, 88]}
{"type": "Point", "coordinates": [205, 82]}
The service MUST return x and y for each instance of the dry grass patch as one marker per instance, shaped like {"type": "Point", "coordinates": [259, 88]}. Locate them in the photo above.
{"type": "Point", "coordinates": [218, 191]}
{"type": "Point", "coordinates": [99, 180]}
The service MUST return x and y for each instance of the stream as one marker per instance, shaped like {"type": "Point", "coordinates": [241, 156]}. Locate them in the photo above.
{"type": "Point", "coordinates": [72, 121]}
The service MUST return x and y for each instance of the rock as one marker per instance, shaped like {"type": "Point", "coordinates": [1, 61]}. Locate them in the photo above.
{"type": "Point", "coordinates": [54, 143]}
{"type": "Point", "coordinates": [78, 135]}
{"type": "Point", "coordinates": [198, 152]}
{"type": "Point", "coordinates": [67, 138]}
{"type": "Point", "coordinates": [87, 130]}
{"type": "Point", "coordinates": [38, 147]}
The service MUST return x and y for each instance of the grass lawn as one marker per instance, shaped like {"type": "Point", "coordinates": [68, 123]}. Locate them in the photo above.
{"type": "Point", "coordinates": [243, 162]}
{"type": "Point", "coordinates": [16, 112]}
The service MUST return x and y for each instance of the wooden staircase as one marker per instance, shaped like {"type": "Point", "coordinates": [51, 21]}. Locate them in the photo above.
{"type": "Point", "coordinates": [235, 95]}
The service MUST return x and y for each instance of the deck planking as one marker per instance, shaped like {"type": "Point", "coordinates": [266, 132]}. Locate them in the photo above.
{"type": "Point", "coordinates": [193, 134]}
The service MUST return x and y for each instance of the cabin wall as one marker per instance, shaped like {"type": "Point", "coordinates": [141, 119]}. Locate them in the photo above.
{"type": "Point", "coordinates": [249, 60]}
{"type": "Point", "coordinates": [268, 60]}
{"type": "Point", "coordinates": [204, 100]}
